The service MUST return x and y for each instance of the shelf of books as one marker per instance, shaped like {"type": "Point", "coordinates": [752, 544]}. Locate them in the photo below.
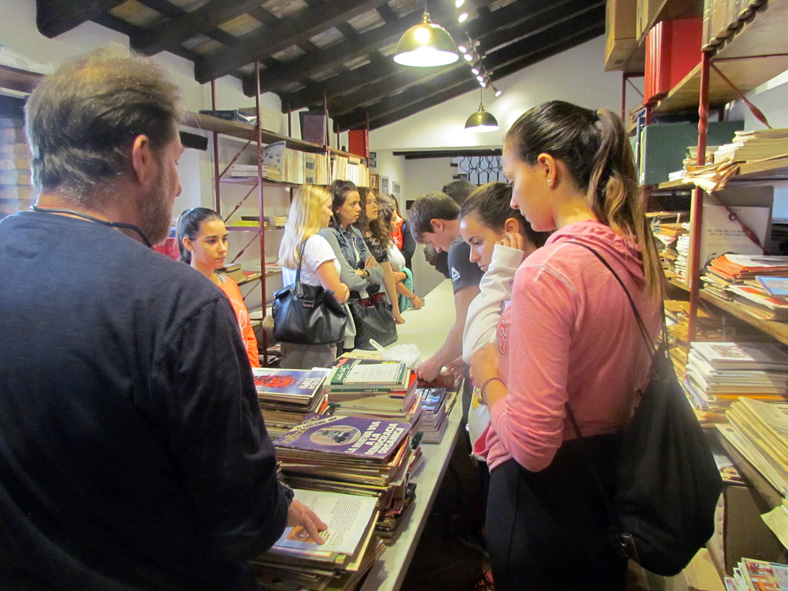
{"type": "Point", "coordinates": [731, 337]}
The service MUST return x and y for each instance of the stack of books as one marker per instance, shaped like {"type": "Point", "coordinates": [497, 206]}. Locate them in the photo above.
{"type": "Point", "coordinates": [373, 388]}
{"type": "Point", "coordinates": [349, 550]}
{"type": "Point", "coordinates": [667, 235]}
{"type": "Point", "coordinates": [753, 145]}
{"type": "Point", "coordinates": [758, 575]}
{"type": "Point", "coordinates": [681, 262]}
{"type": "Point", "coordinates": [434, 417]}
{"type": "Point", "coordinates": [752, 281]}
{"type": "Point", "coordinates": [355, 455]}
{"type": "Point", "coordinates": [243, 171]}
{"type": "Point", "coordinates": [288, 396]}
{"type": "Point", "coordinates": [759, 431]}
{"type": "Point", "coordinates": [720, 373]}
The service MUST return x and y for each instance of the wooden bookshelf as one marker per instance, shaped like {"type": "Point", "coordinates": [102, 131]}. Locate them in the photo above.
{"type": "Point", "coordinates": [746, 73]}
{"type": "Point", "coordinates": [749, 172]}
{"type": "Point", "coordinates": [776, 330]}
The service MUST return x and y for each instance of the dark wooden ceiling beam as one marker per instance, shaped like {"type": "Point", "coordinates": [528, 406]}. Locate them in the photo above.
{"type": "Point", "coordinates": [384, 79]}
{"type": "Point", "coordinates": [54, 17]}
{"type": "Point", "coordinates": [403, 79]}
{"type": "Point", "coordinates": [302, 68]}
{"type": "Point", "coordinates": [500, 63]}
{"type": "Point", "coordinates": [289, 32]}
{"type": "Point", "coordinates": [126, 28]}
{"type": "Point", "coordinates": [174, 31]}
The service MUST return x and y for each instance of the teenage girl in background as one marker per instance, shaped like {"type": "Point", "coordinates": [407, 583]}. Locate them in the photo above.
{"type": "Point", "coordinates": [377, 235]}
{"type": "Point", "coordinates": [569, 337]}
{"type": "Point", "coordinates": [202, 243]}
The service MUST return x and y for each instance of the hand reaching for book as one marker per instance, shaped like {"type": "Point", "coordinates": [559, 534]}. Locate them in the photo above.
{"type": "Point", "coordinates": [300, 514]}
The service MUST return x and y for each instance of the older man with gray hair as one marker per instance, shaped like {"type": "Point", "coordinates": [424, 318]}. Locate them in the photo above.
{"type": "Point", "coordinates": [133, 454]}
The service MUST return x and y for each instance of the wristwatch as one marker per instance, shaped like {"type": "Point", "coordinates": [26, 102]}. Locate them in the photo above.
{"type": "Point", "coordinates": [366, 273]}
{"type": "Point", "coordinates": [289, 492]}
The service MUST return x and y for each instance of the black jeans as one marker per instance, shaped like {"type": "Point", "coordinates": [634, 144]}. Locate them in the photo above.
{"type": "Point", "coordinates": [549, 529]}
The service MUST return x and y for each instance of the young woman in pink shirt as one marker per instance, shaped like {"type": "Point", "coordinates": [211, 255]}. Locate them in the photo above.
{"type": "Point", "coordinates": [569, 337]}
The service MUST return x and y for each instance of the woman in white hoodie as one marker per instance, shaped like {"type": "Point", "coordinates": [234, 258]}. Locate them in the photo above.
{"type": "Point", "coordinates": [500, 239]}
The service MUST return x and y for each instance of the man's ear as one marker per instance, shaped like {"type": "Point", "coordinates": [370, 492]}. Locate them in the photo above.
{"type": "Point", "coordinates": [437, 225]}
{"type": "Point", "coordinates": [143, 160]}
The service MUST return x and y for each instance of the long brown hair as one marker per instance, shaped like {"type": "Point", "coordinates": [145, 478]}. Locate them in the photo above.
{"type": "Point", "coordinates": [378, 228]}
{"type": "Point", "coordinates": [595, 148]}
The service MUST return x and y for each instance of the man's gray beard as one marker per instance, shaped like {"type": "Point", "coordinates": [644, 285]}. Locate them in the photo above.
{"type": "Point", "coordinates": [157, 211]}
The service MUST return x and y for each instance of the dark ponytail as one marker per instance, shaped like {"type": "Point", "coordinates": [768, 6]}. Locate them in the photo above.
{"type": "Point", "coordinates": [595, 149]}
{"type": "Point", "coordinates": [189, 224]}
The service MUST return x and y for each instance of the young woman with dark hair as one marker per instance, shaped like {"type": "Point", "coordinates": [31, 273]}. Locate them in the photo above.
{"type": "Point", "coordinates": [377, 236]}
{"type": "Point", "coordinates": [569, 337]}
{"type": "Point", "coordinates": [202, 244]}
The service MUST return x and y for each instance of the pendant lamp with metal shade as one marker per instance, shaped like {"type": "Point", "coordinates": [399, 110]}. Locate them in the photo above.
{"type": "Point", "coordinates": [426, 44]}
{"type": "Point", "coordinates": [481, 121]}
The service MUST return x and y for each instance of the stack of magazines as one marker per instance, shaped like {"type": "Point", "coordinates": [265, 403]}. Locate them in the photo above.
{"type": "Point", "coordinates": [721, 373]}
{"type": "Point", "coordinates": [373, 388]}
{"type": "Point", "coordinates": [349, 550]}
{"type": "Point", "coordinates": [758, 575]}
{"type": "Point", "coordinates": [354, 455]}
{"type": "Point", "coordinates": [434, 416]}
{"type": "Point", "coordinates": [287, 396]}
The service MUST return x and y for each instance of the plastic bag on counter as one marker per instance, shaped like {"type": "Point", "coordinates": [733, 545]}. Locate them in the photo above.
{"type": "Point", "coordinates": [408, 353]}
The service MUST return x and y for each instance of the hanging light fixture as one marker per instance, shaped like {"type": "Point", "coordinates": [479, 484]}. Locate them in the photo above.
{"type": "Point", "coordinates": [481, 121]}
{"type": "Point", "coordinates": [426, 44]}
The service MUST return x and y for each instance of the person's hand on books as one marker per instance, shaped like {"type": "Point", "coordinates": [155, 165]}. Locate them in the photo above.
{"type": "Point", "coordinates": [429, 370]}
{"type": "Point", "coordinates": [300, 514]}
{"type": "Point", "coordinates": [513, 240]}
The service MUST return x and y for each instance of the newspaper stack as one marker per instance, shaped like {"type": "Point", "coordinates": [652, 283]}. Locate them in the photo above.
{"type": "Point", "coordinates": [721, 373]}
{"type": "Point", "coordinates": [349, 550]}
{"type": "Point", "coordinates": [759, 431]}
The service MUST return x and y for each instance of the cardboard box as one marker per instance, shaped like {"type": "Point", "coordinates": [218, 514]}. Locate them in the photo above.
{"type": "Point", "coordinates": [620, 39]}
{"type": "Point", "coordinates": [739, 530]}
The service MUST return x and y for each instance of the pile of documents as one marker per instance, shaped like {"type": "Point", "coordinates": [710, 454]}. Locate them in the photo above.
{"type": "Point", "coordinates": [759, 431]}
{"type": "Point", "coordinates": [753, 145]}
{"type": "Point", "coordinates": [721, 373]}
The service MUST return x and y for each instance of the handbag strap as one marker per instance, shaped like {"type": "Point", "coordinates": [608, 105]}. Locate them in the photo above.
{"type": "Point", "coordinates": [298, 268]}
{"type": "Point", "coordinates": [611, 513]}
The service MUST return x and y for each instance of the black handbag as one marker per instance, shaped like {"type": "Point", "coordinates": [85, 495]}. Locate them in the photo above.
{"type": "Point", "coordinates": [307, 314]}
{"type": "Point", "coordinates": [667, 483]}
{"type": "Point", "coordinates": [373, 320]}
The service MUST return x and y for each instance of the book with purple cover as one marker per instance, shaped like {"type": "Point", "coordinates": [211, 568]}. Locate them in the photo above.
{"type": "Point", "coordinates": [369, 438]}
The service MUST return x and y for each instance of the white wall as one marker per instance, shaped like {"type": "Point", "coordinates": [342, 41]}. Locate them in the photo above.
{"type": "Point", "coordinates": [576, 76]}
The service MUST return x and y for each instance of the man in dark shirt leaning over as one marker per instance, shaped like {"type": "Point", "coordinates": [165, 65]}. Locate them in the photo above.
{"type": "Point", "coordinates": [133, 454]}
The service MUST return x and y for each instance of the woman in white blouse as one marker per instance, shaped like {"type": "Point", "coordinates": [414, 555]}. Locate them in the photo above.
{"type": "Point", "coordinates": [310, 211]}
